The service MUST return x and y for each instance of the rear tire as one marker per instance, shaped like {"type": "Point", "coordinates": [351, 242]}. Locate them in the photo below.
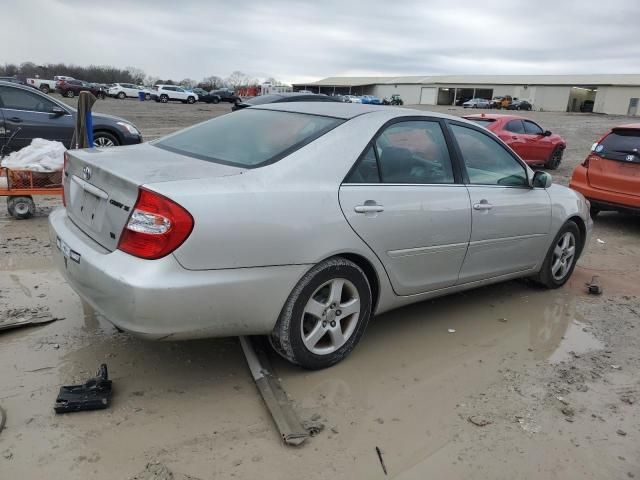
{"type": "Point", "coordinates": [21, 208]}
{"type": "Point", "coordinates": [102, 95]}
{"type": "Point", "coordinates": [325, 315]}
{"type": "Point", "coordinates": [147, 96]}
{"type": "Point", "coordinates": [556, 158]}
{"type": "Point", "coordinates": [44, 89]}
{"type": "Point", "coordinates": [216, 100]}
{"type": "Point", "coordinates": [122, 95]}
{"type": "Point", "coordinates": [561, 258]}
{"type": "Point", "coordinates": [69, 94]}
{"type": "Point", "coordinates": [164, 98]}
{"type": "Point", "coordinates": [191, 100]}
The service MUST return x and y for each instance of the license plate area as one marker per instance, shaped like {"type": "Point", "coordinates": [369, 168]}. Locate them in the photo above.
{"type": "Point", "coordinates": [66, 251]}
{"type": "Point", "coordinates": [87, 203]}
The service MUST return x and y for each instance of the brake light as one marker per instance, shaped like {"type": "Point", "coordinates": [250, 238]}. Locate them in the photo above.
{"type": "Point", "coordinates": [156, 227]}
{"type": "Point", "coordinates": [64, 174]}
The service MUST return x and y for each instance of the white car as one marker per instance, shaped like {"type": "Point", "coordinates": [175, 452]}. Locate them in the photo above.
{"type": "Point", "coordinates": [166, 93]}
{"type": "Point", "coordinates": [353, 99]}
{"type": "Point", "coordinates": [124, 90]}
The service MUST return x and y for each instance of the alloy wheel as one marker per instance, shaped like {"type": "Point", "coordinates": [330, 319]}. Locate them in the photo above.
{"type": "Point", "coordinates": [102, 142]}
{"type": "Point", "coordinates": [330, 316]}
{"type": "Point", "coordinates": [564, 255]}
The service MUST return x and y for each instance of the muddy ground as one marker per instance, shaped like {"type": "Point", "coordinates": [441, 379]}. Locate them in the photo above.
{"type": "Point", "coordinates": [532, 384]}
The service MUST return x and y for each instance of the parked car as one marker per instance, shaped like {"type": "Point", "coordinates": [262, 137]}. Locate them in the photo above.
{"type": "Point", "coordinates": [535, 145]}
{"type": "Point", "coordinates": [45, 86]}
{"type": "Point", "coordinates": [520, 105]}
{"type": "Point", "coordinates": [124, 90]}
{"type": "Point", "coordinates": [167, 93]}
{"type": "Point", "coordinates": [30, 114]}
{"type": "Point", "coordinates": [209, 97]}
{"type": "Point", "coordinates": [353, 99]}
{"type": "Point", "coordinates": [610, 175]}
{"type": "Point", "coordinates": [12, 80]}
{"type": "Point", "coordinates": [477, 103]}
{"type": "Point", "coordinates": [586, 106]}
{"type": "Point", "coordinates": [71, 88]}
{"type": "Point", "coordinates": [394, 100]}
{"type": "Point", "coordinates": [301, 220]}
{"type": "Point", "coordinates": [284, 97]}
{"type": "Point", "coordinates": [371, 99]}
{"type": "Point", "coordinates": [225, 95]}
{"type": "Point", "coordinates": [201, 92]}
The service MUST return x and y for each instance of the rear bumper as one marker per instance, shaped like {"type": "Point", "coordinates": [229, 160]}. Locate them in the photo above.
{"type": "Point", "coordinates": [603, 199]}
{"type": "Point", "coordinates": [160, 300]}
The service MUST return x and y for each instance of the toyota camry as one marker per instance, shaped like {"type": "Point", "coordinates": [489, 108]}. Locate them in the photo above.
{"type": "Point", "coordinates": [300, 221]}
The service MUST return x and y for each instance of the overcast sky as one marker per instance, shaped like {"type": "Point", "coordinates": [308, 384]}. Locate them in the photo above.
{"type": "Point", "coordinates": [297, 41]}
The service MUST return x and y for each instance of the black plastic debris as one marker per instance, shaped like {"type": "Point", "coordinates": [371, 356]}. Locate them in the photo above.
{"type": "Point", "coordinates": [594, 286]}
{"type": "Point", "coordinates": [94, 394]}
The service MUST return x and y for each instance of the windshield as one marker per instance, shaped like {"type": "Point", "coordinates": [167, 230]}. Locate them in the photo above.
{"type": "Point", "coordinates": [262, 99]}
{"type": "Point", "coordinates": [249, 138]}
{"type": "Point", "coordinates": [619, 145]}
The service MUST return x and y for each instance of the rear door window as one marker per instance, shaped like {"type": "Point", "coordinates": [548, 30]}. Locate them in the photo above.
{"type": "Point", "coordinates": [621, 144]}
{"type": "Point", "coordinates": [249, 138]}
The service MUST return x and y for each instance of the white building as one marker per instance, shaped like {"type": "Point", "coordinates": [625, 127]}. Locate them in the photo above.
{"type": "Point", "coordinates": [613, 94]}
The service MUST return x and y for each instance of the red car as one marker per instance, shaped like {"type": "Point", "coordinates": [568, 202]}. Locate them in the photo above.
{"type": "Point", "coordinates": [529, 140]}
{"type": "Point", "coordinates": [610, 175]}
{"type": "Point", "coordinates": [71, 88]}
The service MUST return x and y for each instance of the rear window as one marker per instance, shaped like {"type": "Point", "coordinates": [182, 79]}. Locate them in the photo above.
{"type": "Point", "coordinates": [249, 138]}
{"type": "Point", "coordinates": [483, 122]}
{"type": "Point", "coordinates": [262, 99]}
{"type": "Point", "coordinates": [619, 145]}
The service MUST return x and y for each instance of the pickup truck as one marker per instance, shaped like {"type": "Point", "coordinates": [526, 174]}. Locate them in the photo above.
{"type": "Point", "coordinates": [45, 86]}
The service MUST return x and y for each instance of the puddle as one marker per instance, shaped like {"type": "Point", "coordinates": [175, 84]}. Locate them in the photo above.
{"type": "Point", "coordinates": [576, 340]}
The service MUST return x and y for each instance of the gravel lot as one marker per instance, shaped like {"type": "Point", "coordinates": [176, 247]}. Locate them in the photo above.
{"type": "Point", "coordinates": [532, 384]}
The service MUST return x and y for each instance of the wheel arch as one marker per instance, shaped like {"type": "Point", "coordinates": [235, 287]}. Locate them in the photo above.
{"type": "Point", "coordinates": [583, 231]}
{"type": "Point", "coordinates": [370, 272]}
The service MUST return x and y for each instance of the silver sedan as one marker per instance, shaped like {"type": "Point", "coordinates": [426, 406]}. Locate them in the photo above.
{"type": "Point", "coordinates": [301, 220]}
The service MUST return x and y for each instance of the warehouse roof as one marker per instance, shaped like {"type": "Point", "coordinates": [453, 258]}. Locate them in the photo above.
{"type": "Point", "coordinates": [594, 79]}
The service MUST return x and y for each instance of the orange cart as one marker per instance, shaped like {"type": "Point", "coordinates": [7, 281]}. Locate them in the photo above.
{"type": "Point", "coordinates": [20, 186]}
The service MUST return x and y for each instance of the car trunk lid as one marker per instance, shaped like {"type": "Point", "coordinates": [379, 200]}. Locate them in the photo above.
{"type": "Point", "coordinates": [101, 185]}
{"type": "Point", "coordinates": [614, 164]}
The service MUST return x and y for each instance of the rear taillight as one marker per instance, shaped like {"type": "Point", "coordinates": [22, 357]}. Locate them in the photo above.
{"type": "Point", "coordinates": [156, 227]}
{"type": "Point", "coordinates": [64, 174]}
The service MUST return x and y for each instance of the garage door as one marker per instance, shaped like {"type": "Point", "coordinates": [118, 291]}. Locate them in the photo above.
{"type": "Point", "coordinates": [428, 95]}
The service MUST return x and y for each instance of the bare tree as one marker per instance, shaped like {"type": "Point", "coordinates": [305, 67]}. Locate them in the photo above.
{"type": "Point", "coordinates": [137, 74]}
{"type": "Point", "coordinates": [237, 79]}
{"type": "Point", "coordinates": [188, 82]}
{"type": "Point", "coordinates": [212, 82]}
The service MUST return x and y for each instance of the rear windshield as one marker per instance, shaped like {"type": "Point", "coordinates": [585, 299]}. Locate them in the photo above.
{"type": "Point", "coordinates": [620, 145]}
{"type": "Point", "coordinates": [262, 99]}
{"type": "Point", "coordinates": [483, 122]}
{"type": "Point", "coordinates": [249, 138]}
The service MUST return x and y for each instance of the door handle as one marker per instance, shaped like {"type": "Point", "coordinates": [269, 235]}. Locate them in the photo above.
{"type": "Point", "coordinates": [368, 208]}
{"type": "Point", "coordinates": [15, 119]}
{"type": "Point", "coordinates": [483, 205]}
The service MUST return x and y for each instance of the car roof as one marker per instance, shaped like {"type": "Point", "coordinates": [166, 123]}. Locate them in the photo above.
{"type": "Point", "coordinates": [494, 116]}
{"type": "Point", "coordinates": [627, 126]}
{"type": "Point", "coordinates": [347, 111]}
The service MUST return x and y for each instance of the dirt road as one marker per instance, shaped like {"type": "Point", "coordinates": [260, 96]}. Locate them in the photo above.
{"type": "Point", "coordinates": [532, 384]}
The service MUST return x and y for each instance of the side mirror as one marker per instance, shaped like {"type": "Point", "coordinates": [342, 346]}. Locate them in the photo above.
{"type": "Point", "coordinates": [58, 112]}
{"type": "Point", "coordinates": [541, 180]}
{"type": "Point", "coordinates": [547, 133]}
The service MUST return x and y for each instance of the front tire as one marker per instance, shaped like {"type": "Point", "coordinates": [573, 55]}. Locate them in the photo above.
{"type": "Point", "coordinates": [561, 258]}
{"type": "Point", "coordinates": [104, 140]}
{"type": "Point", "coordinates": [122, 95]}
{"type": "Point", "coordinates": [164, 98]}
{"type": "Point", "coordinates": [191, 100]}
{"type": "Point", "coordinates": [21, 208]}
{"type": "Point", "coordinates": [69, 94]}
{"type": "Point", "coordinates": [216, 100]}
{"type": "Point", "coordinates": [556, 158]}
{"type": "Point", "coordinates": [325, 315]}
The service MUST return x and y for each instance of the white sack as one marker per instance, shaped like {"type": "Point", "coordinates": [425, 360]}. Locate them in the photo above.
{"type": "Point", "coordinates": [41, 156]}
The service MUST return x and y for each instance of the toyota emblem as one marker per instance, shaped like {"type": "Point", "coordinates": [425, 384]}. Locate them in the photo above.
{"type": "Point", "coordinates": [86, 172]}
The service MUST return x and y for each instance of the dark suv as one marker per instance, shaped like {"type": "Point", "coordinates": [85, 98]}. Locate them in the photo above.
{"type": "Point", "coordinates": [26, 113]}
{"type": "Point", "coordinates": [225, 95]}
{"type": "Point", "coordinates": [71, 88]}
